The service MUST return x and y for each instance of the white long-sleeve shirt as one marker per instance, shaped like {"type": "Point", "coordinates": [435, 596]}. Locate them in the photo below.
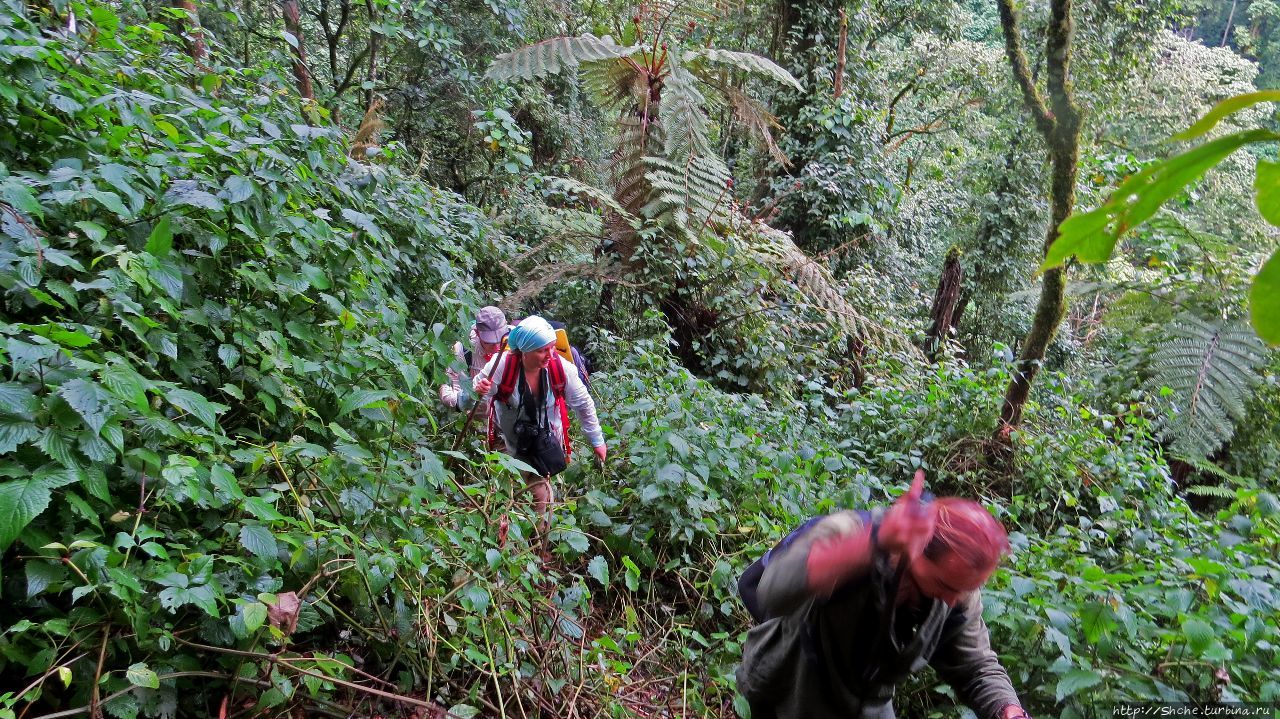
{"type": "Point", "coordinates": [576, 397]}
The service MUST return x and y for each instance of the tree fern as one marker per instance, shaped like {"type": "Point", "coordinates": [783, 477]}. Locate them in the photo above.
{"type": "Point", "coordinates": [551, 56]}
{"type": "Point", "coordinates": [1206, 370]}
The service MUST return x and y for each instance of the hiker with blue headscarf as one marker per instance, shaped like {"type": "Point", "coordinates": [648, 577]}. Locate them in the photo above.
{"type": "Point", "coordinates": [531, 389]}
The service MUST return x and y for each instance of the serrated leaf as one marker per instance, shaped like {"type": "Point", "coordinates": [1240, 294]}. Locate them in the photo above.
{"type": "Point", "coordinates": [58, 447]}
{"type": "Point", "coordinates": [160, 241]}
{"type": "Point", "coordinates": [259, 540]}
{"type": "Point", "coordinates": [122, 381]}
{"type": "Point", "coordinates": [94, 481]}
{"type": "Point", "coordinates": [199, 407]}
{"type": "Point", "coordinates": [598, 569]}
{"type": "Point", "coordinates": [16, 399]}
{"type": "Point", "coordinates": [20, 502]}
{"type": "Point", "coordinates": [1075, 680]}
{"type": "Point", "coordinates": [140, 675]}
{"type": "Point", "coordinates": [14, 432]}
{"type": "Point", "coordinates": [89, 400]}
{"type": "Point", "coordinates": [255, 615]}
{"type": "Point", "coordinates": [229, 355]}
{"type": "Point", "coordinates": [238, 189]}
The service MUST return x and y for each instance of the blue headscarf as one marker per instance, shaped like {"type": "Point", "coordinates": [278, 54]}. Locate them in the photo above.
{"type": "Point", "coordinates": [532, 333]}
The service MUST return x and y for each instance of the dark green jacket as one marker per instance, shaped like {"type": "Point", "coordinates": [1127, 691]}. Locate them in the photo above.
{"type": "Point", "coordinates": [841, 657]}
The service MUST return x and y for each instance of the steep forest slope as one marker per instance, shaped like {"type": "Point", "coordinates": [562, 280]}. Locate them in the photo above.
{"type": "Point", "coordinates": [227, 487]}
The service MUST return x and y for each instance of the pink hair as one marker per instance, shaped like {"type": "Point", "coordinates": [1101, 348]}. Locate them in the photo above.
{"type": "Point", "coordinates": [968, 531]}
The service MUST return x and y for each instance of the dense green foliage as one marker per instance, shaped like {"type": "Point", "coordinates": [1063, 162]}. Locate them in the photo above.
{"type": "Point", "coordinates": [226, 486]}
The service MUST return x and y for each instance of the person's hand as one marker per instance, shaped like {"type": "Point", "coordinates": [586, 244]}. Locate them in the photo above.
{"type": "Point", "coordinates": [446, 393]}
{"type": "Point", "coordinates": [482, 385]}
{"type": "Point", "coordinates": [601, 452]}
{"type": "Point", "coordinates": [908, 525]}
{"type": "Point", "coordinates": [1013, 711]}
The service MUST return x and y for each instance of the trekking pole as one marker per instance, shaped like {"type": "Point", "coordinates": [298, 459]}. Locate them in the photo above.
{"type": "Point", "coordinates": [471, 415]}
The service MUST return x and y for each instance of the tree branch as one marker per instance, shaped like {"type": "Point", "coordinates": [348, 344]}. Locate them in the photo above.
{"type": "Point", "coordinates": [1022, 69]}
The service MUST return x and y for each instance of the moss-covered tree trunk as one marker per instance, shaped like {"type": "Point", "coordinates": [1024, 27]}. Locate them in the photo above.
{"type": "Point", "coordinates": [945, 303]}
{"type": "Point", "coordinates": [1059, 122]}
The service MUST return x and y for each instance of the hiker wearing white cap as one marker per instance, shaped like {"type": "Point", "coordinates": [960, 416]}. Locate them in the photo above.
{"type": "Point", "coordinates": [532, 389]}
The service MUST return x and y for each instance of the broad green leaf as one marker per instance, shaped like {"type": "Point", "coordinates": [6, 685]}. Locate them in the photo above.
{"type": "Point", "coordinates": [1264, 301]}
{"type": "Point", "coordinates": [361, 398]}
{"type": "Point", "coordinates": [15, 431]}
{"type": "Point", "coordinates": [229, 355]}
{"type": "Point", "coordinates": [93, 230]}
{"type": "Point", "coordinates": [632, 576]}
{"type": "Point", "coordinates": [598, 568]}
{"type": "Point", "coordinates": [161, 239]}
{"type": "Point", "coordinates": [1076, 680]}
{"type": "Point", "coordinates": [140, 675]}
{"type": "Point", "coordinates": [238, 189]}
{"type": "Point", "coordinates": [1228, 106]}
{"type": "Point", "coordinates": [124, 382]}
{"type": "Point", "coordinates": [1199, 634]}
{"type": "Point", "coordinates": [41, 573]}
{"type": "Point", "coordinates": [255, 614]}
{"type": "Point", "coordinates": [20, 502]}
{"type": "Point", "coordinates": [89, 400]}
{"type": "Point", "coordinates": [199, 407]}
{"type": "Point", "coordinates": [259, 540]}
{"type": "Point", "coordinates": [94, 481]}
{"type": "Point", "coordinates": [1092, 236]}
{"type": "Point", "coordinates": [16, 399]}
{"type": "Point", "coordinates": [1267, 186]}
{"type": "Point", "coordinates": [463, 711]}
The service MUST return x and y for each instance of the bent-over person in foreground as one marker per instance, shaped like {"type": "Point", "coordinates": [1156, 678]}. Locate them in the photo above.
{"type": "Point", "coordinates": [850, 604]}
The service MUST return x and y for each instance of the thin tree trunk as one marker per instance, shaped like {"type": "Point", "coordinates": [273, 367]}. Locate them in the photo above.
{"type": "Point", "coordinates": [293, 25]}
{"type": "Point", "coordinates": [374, 40]}
{"type": "Point", "coordinates": [945, 302]}
{"type": "Point", "coordinates": [1231, 16]}
{"type": "Point", "coordinates": [1059, 122]}
{"type": "Point", "coordinates": [841, 49]}
{"type": "Point", "coordinates": [192, 32]}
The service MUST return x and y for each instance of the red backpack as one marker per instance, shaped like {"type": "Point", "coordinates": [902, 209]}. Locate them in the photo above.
{"type": "Point", "coordinates": [507, 386]}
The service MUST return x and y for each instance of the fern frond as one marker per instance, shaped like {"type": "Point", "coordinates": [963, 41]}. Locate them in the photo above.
{"type": "Point", "coordinates": [1209, 369]}
{"type": "Point", "coordinates": [1207, 490]}
{"type": "Point", "coordinates": [814, 287]}
{"type": "Point", "coordinates": [615, 84]}
{"type": "Point", "coordinates": [758, 121]}
{"type": "Point", "coordinates": [551, 56]}
{"type": "Point", "coordinates": [746, 61]}
{"type": "Point", "coordinates": [688, 195]}
{"type": "Point", "coordinates": [567, 186]}
{"type": "Point", "coordinates": [684, 121]}
{"type": "Point", "coordinates": [1204, 466]}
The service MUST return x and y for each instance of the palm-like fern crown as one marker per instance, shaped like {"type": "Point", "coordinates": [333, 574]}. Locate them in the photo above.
{"type": "Point", "coordinates": [665, 167]}
{"type": "Point", "coordinates": [1209, 368]}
